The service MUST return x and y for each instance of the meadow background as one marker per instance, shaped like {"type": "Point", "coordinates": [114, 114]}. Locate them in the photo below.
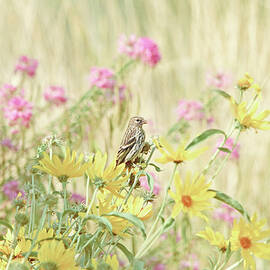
{"type": "Point", "coordinates": [194, 37]}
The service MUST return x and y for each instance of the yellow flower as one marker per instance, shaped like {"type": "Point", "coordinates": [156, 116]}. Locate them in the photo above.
{"type": "Point", "coordinates": [248, 119]}
{"type": "Point", "coordinates": [214, 238]}
{"type": "Point", "coordinates": [109, 178]}
{"type": "Point", "coordinates": [53, 255]}
{"type": "Point", "coordinates": [136, 207]}
{"type": "Point", "coordinates": [246, 236]}
{"type": "Point", "coordinates": [63, 169]}
{"type": "Point", "coordinates": [177, 156]}
{"type": "Point", "coordinates": [111, 261]}
{"type": "Point", "coordinates": [192, 196]}
{"type": "Point", "coordinates": [245, 82]}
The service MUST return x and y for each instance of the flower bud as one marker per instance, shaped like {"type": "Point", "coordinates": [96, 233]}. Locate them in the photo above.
{"type": "Point", "coordinates": [245, 82]}
{"type": "Point", "coordinates": [21, 219]}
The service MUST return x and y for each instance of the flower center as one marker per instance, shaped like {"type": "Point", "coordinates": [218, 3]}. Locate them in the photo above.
{"type": "Point", "coordinates": [186, 200]}
{"type": "Point", "coordinates": [178, 161]}
{"type": "Point", "coordinates": [245, 242]}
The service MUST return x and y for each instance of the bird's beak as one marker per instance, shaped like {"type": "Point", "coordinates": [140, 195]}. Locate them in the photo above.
{"type": "Point", "coordinates": [144, 121]}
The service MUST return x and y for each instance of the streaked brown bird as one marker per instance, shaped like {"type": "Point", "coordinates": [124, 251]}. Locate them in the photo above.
{"type": "Point", "coordinates": [132, 142]}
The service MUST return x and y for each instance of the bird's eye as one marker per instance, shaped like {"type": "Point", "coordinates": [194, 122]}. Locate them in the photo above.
{"type": "Point", "coordinates": [137, 120]}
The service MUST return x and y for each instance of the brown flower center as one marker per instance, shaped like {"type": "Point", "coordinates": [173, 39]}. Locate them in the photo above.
{"type": "Point", "coordinates": [178, 161]}
{"type": "Point", "coordinates": [223, 249]}
{"type": "Point", "coordinates": [186, 200]}
{"type": "Point", "coordinates": [245, 242]}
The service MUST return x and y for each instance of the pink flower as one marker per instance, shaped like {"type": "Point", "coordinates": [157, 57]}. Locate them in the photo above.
{"type": "Point", "coordinates": [159, 266]}
{"type": "Point", "coordinates": [190, 110]}
{"type": "Point", "coordinates": [144, 184]}
{"type": "Point", "coordinates": [148, 51]}
{"type": "Point", "coordinates": [102, 78]}
{"type": "Point", "coordinates": [55, 95]}
{"type": "Point", "coordinates": [77, 198]}
{"type": "Point", "coordinates": [27, 65]}
{"type": "Point", "coordinates": [219, 80]}
{"type": "Point", "coordinates": [226, 213]}
{"type": "Point", "coordinates": [121, 95]}
{"type": "Point", "coordinates": [126, 45]}
{"type": "Point", "coordinates": [190, 262]}
{"type": "Point", "coordinates": [229, 144]}
{"type": "Point", "coordinates": [8, 143]}
{"type": "Point", "coordinates": [11, 189]}
{"type": "Point", "coordinates": [18, 111]}
{"type": "Point", "coordinates": [6, 92]}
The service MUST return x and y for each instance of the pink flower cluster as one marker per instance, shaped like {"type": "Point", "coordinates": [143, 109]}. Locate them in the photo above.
{"type": "Point", "coordinates": [102, 78]}
{"type": "Point", "coordinates": [226, 213]}
{"type": "Point", "coordinates": [190, 110]}
{"type": "Point", "coordinates": [77, 198]}
{"type": "Point", "coordinates": [144, 184]}
{"type": "Point", "coordinates": [141, 48]}
{"type": "Point", "coordinates": [27, 65]}
{"type": "Point", "coordinates": [229, 144]}
{"type": "Point", "coordinates": [11, 189]}
{"type": "Point", "coordinates": [6, 92]}
{"type": "Point", "coordinates": [18, 111]}
{"type": "Point", "coordinates": [219, 80]}
{"type": "Point", "coordinates": [55, 95]}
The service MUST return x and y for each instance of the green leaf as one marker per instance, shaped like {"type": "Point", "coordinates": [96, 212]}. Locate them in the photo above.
{"type": "Point", "coordinates": [150, 181]}
{"type": "Point", "coordinates": [138, 265]}
{"type": "Point", "coordinates": [128, 254]}
{"type": "Point", "coordinates": [224, 149]}
{"type": "Point", "coordinates": [222, 93]}
{"type": "Point", "coordinates": [232, 202]}
{"type": "Point", "coordinates": [206, 134]}
{"type": "Point", "coordinates": [101, 220]}
{"type": "Point", "coordinates": [168, 224]}
{"type": "Point", "coordinates": [6, 224]}
{"type": "Point", "coordinates": [131, 218]}
{"type": "Point", "coordinates": [155, 166]}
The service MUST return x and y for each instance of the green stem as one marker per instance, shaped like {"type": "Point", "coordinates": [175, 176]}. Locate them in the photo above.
{"type": "Point", "coordinates": [33, 210]}
{"type": "Point", "coordinates": [64, 186]}
{"type": "Point", "coordinates": [92, 201]}
{"type": "Point", "coordinates": [150, 239]}
{"type": "Point", "coordinates": [235, 265]}
{"type": "Point", "coordinates": [41, 224]}
{"type": "Point", "coordinates": [226, 158]}
{"type": "Point", "coordinates": [87, 190]}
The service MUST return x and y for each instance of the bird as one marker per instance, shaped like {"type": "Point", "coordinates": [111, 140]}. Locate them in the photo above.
{"type": "Point", "coordinates": [132, 142]}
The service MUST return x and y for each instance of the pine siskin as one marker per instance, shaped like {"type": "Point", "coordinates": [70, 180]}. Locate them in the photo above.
{"type": "Point", "coordinates": [132, 142]}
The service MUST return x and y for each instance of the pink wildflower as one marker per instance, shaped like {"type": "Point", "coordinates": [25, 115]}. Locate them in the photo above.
{"type": "Point", "coordinates": [102, 78]}
{"type": "Point", "coordinates": [219, 80]}
{"type": "Point", "coordinates": [229, 144]}
{"type": "Point", "coordinates": [148, 51]}
{"type": "Point", "coordinates": [55, 95]}
{"type": "Point", "coordinates": [126, 45]}
{"type": "Point", "coordinates": [6, 92]}
{"type": "Point", "coordinates": [18, 111]}
{"type": "Point", "coordinates": [190, 110]}
{"type": "Point", "coordinates": [159, 266]}
{"type": "Point", "coordinates": [8, 143]}
{"type": "Point", "coordinates": [144, 184]}
{"type": "Point", "coordinates": [77, 198]}
{"type": "Point", "coordinates": [226, 213]}
{"type": "Point", "coordinates": [11, 189]}
{"type": "Point", "coordinates": [190, 262]}
{"type": "Point", "coordinates": [27, 65]}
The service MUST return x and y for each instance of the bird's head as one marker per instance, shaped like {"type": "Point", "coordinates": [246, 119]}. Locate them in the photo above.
{"type": "Point", "coordinates": [137, 121]}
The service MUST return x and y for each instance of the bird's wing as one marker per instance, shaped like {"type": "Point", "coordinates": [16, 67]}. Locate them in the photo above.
{"type": "Point", "coordinates": [124, 149]}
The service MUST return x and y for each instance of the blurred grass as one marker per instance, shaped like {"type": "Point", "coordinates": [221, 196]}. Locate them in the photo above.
{"type": "Point", "coordinates": [68, 37]}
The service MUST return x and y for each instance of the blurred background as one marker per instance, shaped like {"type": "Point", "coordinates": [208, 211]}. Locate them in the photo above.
{"type": "Point", "coordinates": [194, 38]}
